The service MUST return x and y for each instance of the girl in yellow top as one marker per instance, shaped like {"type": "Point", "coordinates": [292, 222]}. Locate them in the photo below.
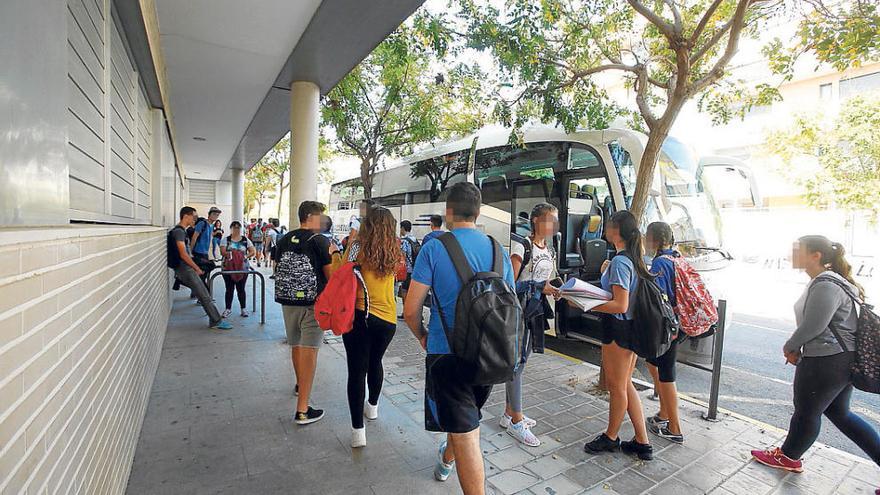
{"type": "Point", "coordinates": [377, 251]}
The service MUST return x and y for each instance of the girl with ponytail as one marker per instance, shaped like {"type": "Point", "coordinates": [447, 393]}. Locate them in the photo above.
{"type": "Point", "coordinates": [620, 277]}
{"type": "Point", "coordinates": [822, 347]}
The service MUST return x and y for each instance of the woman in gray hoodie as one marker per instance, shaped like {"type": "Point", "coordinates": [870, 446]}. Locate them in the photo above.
{"type": "Point", "coordinates": [822, 348]}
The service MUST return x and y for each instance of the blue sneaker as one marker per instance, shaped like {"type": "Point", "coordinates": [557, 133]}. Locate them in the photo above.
{"type": "Point", "coordinates": [443, 470]}
{"type": "Point", "coordinates": [223, 325]}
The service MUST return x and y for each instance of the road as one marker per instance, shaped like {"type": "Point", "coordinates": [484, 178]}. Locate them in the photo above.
{"type": "Point", "coordinates": [754, 380]}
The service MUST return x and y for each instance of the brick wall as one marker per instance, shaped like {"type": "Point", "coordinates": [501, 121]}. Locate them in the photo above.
{"type": "Point", "coordinates": [83, 312]}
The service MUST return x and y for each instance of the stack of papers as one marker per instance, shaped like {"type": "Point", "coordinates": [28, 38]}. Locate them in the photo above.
{"type": "Point", "coordinates": [584, 295]}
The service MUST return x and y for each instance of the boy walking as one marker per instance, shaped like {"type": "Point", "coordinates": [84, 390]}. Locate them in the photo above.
{"type": "Point", "coordinates": [187, 271]}
{"type": "Point", "coordinates": [452, 405]}
{"type": "Point", "coordinates": [302, 271]}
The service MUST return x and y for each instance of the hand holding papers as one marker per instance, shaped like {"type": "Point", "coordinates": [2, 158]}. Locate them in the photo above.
{"type": "Point", "coordinates": [583, 295]}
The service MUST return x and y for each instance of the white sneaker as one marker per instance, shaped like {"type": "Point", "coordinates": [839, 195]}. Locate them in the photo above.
{"type": "Point", "coordinates": [226, 313]}
{"type": "Point", "coordinates": [523, 434]}
{"type": "Point", "coordinates": [358, 437]}
{"type": "Point", "coordinates": [245, 313]}
{"type": "Point", "coordinates": [371, 412]}
{"type": "Point", "coordinates": [506, 420]}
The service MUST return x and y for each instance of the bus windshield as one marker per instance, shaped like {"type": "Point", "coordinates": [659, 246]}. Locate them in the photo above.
{"type": "Point", "coordinates": [675, 197]}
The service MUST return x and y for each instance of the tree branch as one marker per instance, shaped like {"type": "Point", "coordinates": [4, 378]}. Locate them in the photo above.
{"type": "Point", "coordinates": [665, 28]}
{"type": "Point", "coordinates": [738, 21]}
{"type": "Point", "coordinates": [676, 14]}
{"type": "Point", "coordinates": [701, 52]}
{"type": "Point", "coordinates": [704, 21]}
{"type": "Point", "coordinates": [641, 98]}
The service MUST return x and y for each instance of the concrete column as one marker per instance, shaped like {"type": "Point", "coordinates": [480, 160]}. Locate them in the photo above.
{"type": "Point", "coordinates": [237, 195]}
{"type": "Point", "coordinates": [304, 122]}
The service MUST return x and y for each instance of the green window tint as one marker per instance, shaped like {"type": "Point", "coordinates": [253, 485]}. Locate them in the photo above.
{"type": "Point", "coordinates": [581, 158]}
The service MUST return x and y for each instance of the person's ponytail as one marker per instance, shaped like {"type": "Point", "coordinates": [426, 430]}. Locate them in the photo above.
{"type": "Point", "coordinates": [841, 266]}
{"type": "Point", "coordinates": [628, 227]}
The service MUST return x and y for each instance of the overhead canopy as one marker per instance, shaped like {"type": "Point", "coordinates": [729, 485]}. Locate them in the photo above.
{"type": "Point", "coordinates": [229, 65]}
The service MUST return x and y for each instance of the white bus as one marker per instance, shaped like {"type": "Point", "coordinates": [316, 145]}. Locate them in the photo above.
{"type": "Point", "coordinates": [587, 175]}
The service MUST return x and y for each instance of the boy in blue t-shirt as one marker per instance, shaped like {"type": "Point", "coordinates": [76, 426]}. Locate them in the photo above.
{"type": "Point", "coordinates": [451, 406]}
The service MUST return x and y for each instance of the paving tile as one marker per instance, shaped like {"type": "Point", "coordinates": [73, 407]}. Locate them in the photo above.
{"type": "Point", "coordinates": [866, 472]}
{"type": "Point", "coordinates": [855, 486]}
{"type": "Point", "coordinates": [792, 489]}
{"type": "Point", "coordinates": [588, 474]}
{"type": "Point", "coordinates": [574, 454]}
{"type": "Point", "coordinates": [548, 466]}
{"type": "Point", "coordinates": [745, 484]}
{"type": "Point", "coordinates": [509, 458]}
{"type": "Point", "coordinates": [657, 470]}
{"type": "Point", "coordinates": [680, 455]}
{"type": "Point", "coordinates": [558, 485]}
{"type": "Point", "coordinates": [509, 482]}
{"type": "Point", "coordinates": [700, 477]}
{"type": "Point", "coordinates": [630, 481]}
{"type": "Point", "coordinates": [674, 486]}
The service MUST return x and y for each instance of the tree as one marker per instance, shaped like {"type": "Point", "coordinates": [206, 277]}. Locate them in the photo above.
{"type": "Point", "coordinates": [846, 151]}
{"type": "Point", "coordinates": [276, 164]}
{"type": "Point", "coordinates": [258, 182]}
{"type": "Point", "coordinates": [842, 34]}
{"type": "Point", "coordinates": [393, 100]}
{"type": "Point", "coordinates": [667, 51]}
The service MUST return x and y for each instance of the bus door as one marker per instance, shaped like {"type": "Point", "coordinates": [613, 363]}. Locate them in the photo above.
{"type": "Point", "coordinates": [527, 194]}
{"type": "Point", "coordinates": [587, 205]}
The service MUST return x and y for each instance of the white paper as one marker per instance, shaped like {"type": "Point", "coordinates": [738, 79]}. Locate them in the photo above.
{"type": "Point", "coordinates": [582, 302]}
{"type": "Point", "coordinates": [581, 289]}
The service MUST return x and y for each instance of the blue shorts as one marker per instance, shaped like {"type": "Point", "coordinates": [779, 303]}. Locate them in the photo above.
{"type": "Point", "coordinates": [451, 404]}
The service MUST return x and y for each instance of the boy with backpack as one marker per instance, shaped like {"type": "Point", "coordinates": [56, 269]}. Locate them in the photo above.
{"type": "Point", "coordinates": [464, 270]}
{"type": "Point", "coordinates": [301, 274]}
{"type": "Point", "coordinates": [410, 248]}
{"type": "Point", "coordinates": [187, 271]}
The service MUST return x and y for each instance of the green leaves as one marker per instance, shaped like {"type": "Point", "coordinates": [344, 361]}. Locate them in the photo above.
{"type": "Point", "coordinates": [402, 95]}
{"type": "Point", "coordinates": [844, 152]}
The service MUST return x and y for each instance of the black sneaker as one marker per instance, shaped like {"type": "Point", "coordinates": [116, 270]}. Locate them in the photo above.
{"type": "Point", "coordinates": [656, 420]}
{"type": "Point", "coordinates": [602, 444]}
{"type": "Point", "coordinates": [308, 417]}
{"type": "Point", "coordinates": [643, 450]}
{"type": "Point", "coordinates": [662, 431]}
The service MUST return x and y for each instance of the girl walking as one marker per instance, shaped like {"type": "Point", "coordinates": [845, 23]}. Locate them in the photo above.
{"type": "Point", "coordinates": [620, 277]}
{"type": "Point", "coordinates": [822, 349]}
{"type": "Point", "coordinates": [532, 285]}
{"type": "Point", "coordinates": [235, 250]}
{"type": "Point", "coordinates": [377, 251]}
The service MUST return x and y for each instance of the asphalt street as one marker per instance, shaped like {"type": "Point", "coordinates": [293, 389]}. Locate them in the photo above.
{"type": "Point", "coordinates": [755, 382]}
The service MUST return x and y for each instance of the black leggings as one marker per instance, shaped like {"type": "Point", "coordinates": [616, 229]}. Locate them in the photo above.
{"type": "Point", "coordinates": [365, 345]}
{"type": "Point", "coordinates": [823, 385]}
{"type": "Point", "coordinates": [235, 286]}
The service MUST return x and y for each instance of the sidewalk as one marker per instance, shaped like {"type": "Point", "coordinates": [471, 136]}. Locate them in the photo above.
{"type": "Point", "coordinates": [219, 421]}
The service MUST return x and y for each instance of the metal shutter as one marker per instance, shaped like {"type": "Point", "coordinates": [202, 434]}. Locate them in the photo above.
{"type": "Point", "coordinates": [201, 191]}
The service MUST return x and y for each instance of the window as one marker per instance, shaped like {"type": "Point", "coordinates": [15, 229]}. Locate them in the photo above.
{"type": "Point", "coordinates": [534, 160]}
{"type": "Point", "coordinates": [825, 91]}
{"type": "Point", "coordinates": [582, 157]}
{"type": "Point", "coordinates": [857, 85]}
{"type": "Point", "coordinates": [626, 170]}
{"type": "Point", "coordinates": [441, 172]}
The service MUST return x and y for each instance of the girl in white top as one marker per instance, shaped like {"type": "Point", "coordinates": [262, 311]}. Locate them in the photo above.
{"type": "Point", "coordinates": [531, 277]}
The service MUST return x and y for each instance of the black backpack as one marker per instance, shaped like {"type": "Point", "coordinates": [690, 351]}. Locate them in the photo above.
{"type": "Point", "coordinates": [414, 248]}
{"type": "Point", "coordinates": [296, 279]}
{"type": "Point", "coordinates": [173, 254]}
{"type": "Point", "coordinates": [489, 330]}
{"type": "Point", "coordinates": [655, 323]}
{"type": "Point", "coordinates": [192, 230]}
{"type": "Point", "coordinates": [866, 368]}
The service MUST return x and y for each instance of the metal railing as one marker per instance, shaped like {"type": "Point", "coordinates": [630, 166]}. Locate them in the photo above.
{"type": "Point", "coordinates": [717, 355]}
{"type": "Point", "coordinates": [255, 274]}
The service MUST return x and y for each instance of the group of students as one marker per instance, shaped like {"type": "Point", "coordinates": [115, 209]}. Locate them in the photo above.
{"type": "Point", "coordinates": [822, 346]}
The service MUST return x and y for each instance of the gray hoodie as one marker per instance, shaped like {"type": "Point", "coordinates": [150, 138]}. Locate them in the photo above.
{"type": "Point", "coordinates": [824, 305]}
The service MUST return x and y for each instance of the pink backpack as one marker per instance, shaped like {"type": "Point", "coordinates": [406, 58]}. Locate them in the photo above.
{"type": "Point", "coordinates": [693, 304]}
{"type": "Point", "coordinates": [334, 308]}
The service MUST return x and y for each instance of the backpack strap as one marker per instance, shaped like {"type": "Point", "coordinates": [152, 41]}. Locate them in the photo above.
{"type": "Point", "coordinates": [459, 261]}
{"type": "Point", "coordinates": [497, 257]}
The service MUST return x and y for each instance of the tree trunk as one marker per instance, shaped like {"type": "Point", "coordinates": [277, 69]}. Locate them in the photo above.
{"type": "Point", "coordinates": [281, 188]}
{"type": "Point", "coordinates": [367, 178]}
{"type": "Point", "coordinates": [648, 163]}
{"type": "Point", "coordinates": [259, 207]}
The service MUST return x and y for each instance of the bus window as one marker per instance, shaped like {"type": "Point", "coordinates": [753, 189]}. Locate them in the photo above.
{"type": "Point", "coordinates": [441, 173]}
{"type": "Point", "coordinates": [528, 194]}
{"type": "Point", "coordinates": [626, 170]}
{"type": "Point", "coordinates": [495, 192]}
{"type": "Point", "coordinates": [581, 158]}
{"type": "Point", "coordinates": [534, 160]}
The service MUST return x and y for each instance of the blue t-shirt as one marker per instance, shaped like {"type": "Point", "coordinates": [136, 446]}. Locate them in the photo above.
{"type": "Point", "coordinates": [664, 268]}
{"type": "Point", "coordinates": [432, 235]}
{"type": "Point", "coordinates": [435, 269]}
{"type": "Point", "coordinates": [622, 273]}
{"type": "Point", "coordinates": [203, 243]}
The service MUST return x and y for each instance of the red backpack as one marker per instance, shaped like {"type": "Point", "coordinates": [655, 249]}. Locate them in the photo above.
{"type": "Point", "coordinates": [334, 308]}
{"type": "Point", "coordinates": [693, 304]}
{"type": "Point", "coordinates": [234, 261]}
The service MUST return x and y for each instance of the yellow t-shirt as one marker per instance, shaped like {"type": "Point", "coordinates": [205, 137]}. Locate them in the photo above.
{"type": "Point", "coordinates": [383, 304]}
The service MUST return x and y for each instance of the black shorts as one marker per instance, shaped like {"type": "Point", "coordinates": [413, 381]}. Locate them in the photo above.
{"type": "Point", "coordinates": [618, 331]}
{"type": "Point", "coordinates": [666, 363]}
{"type": "Point", "coordinates": [451, 405]}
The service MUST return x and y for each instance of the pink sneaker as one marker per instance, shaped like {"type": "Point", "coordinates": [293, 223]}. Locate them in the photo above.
{"type": "Point", "coordinates": [776, 459]}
